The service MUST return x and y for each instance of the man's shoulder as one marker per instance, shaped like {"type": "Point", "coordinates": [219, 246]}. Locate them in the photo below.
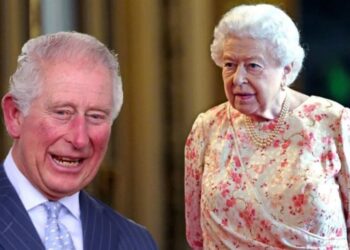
{"type": "Point", "coordinates": [116, 217]}
{"type": "Point", "coordinates": [128, 231]}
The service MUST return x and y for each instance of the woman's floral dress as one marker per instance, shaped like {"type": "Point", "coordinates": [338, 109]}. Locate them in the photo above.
{"type": "Point", "coordinates": [294, 194]}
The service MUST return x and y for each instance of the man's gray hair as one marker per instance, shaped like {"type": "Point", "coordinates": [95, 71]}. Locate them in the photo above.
{"type": "Point", "coordinates": [39, 52]}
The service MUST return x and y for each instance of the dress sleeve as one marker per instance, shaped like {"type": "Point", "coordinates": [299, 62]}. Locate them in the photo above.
{"type": "Point", "coordinates": [194, 162]}
{"type": "Point", "coordinates": [344, 174]}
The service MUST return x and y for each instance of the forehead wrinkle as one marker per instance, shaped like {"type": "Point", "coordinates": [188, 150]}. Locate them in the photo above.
{"type": "Point", "coordinates": [233, 56]}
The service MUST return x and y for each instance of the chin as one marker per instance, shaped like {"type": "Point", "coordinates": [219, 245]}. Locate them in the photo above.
{"type": "Point", "coordinates": [63, 188]}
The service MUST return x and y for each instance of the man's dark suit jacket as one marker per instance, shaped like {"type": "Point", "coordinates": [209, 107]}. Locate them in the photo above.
{"type": "Point", "coordinates": [103, 228]}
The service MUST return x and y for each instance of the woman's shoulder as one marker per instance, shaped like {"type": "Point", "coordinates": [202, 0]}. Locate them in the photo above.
{"type": "Point", "coordinates": [215, 112]}
{"type": "Point", "coordinates": [213, 117]}
{"type": "Point", "coordinates": [220, 108]}
{"type": "Point", "coordinates": [320, 106]}
{"type": "Point", "coordinates": [324, 104]}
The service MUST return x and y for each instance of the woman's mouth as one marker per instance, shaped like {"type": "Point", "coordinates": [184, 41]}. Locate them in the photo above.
{"type": "Point", "coordinates": [243, 96]}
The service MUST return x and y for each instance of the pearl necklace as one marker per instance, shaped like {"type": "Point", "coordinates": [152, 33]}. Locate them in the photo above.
{"type": "Point", "coordinates": [263, 142]}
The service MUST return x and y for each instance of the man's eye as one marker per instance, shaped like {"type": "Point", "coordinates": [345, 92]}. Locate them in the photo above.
{"type": "Point", "coordinates": [63, 113]}
{"type": "Point", "coordinates": [97, 117]}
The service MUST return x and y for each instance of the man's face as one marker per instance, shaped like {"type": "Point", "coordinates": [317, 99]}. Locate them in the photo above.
{"type": "Point", "coordinates": [63, 138]}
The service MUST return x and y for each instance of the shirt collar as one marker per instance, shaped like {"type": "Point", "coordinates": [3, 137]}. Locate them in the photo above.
{"type": "Point", "coordinates": [29, 195]}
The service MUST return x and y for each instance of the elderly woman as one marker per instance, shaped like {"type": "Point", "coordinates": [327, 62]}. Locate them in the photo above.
{"type": "Point", "coordinates": [269, 168]}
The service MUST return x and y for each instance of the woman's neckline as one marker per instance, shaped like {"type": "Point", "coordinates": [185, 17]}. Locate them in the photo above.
{"type": "Point", "coordinates": [294, 108]}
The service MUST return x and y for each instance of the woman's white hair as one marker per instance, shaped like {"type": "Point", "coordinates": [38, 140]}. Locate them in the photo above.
{"type": "Point", "coordinates": [39, 52]}
{"type": "Point", "coordinates": [265, 22]}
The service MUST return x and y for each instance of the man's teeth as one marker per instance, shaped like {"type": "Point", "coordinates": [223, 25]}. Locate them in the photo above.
{"type": "Point", "coordinates": [66, 162]}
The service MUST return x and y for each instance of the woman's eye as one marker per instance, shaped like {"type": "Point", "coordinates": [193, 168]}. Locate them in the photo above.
{"type": "Point", "coordinates": [229, 65]}
{"type": "Point", "coordinates": [254, 66]}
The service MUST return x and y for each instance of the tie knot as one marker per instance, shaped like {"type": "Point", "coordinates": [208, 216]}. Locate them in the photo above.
{"type": "Point", "coordinates": [53, 209]}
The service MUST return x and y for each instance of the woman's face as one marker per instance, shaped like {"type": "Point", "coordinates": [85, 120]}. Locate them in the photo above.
{"type": "Point", "coordinates": [252, 77]}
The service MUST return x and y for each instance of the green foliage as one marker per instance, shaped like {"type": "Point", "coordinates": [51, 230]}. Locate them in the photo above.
{"type": "Point", "coordinates": [338, 83]}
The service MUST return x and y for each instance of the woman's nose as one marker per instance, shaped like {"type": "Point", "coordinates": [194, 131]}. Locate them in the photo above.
{"type": "Point", "coordinates": [240, 75]}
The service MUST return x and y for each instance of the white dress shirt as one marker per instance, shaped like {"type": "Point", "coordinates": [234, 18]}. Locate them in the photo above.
{"type": "Point", "coordinates": [32, 200]}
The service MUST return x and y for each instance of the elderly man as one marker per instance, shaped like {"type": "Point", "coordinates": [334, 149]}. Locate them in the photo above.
{"type": "Point", "coordinates": [63, 99]}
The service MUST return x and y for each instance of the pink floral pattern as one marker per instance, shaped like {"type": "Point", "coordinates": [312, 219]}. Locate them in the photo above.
{"type": "Point", "coordinates": [292, 195]}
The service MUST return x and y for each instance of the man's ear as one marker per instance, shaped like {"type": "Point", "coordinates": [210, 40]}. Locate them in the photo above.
{"type": "Point", "coordinates": [13, 117]}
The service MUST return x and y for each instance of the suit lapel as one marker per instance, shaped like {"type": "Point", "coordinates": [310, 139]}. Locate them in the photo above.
{"type": "Point", "coordinates": [16, 228]}
{"type": "Point", "coordinates": [97, 228]}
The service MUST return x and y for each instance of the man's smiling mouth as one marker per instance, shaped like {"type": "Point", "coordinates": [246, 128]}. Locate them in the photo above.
{"type": "Point", "coordinates": [67, 161]}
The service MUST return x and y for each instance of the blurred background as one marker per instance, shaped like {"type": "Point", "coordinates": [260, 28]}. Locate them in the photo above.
{"type": "Point", "coordinates": [169, 78]}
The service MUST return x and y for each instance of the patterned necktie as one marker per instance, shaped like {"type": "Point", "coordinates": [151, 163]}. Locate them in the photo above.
{"type": "Point", "coordinates": [56, 234]}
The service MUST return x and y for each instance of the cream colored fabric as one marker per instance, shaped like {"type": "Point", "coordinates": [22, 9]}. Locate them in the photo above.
{"type": "Point", "coordinates": [291, 195]}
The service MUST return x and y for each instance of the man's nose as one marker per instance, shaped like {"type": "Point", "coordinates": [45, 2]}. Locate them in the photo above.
{"type": "Point", "coordinates": [78, 135]}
